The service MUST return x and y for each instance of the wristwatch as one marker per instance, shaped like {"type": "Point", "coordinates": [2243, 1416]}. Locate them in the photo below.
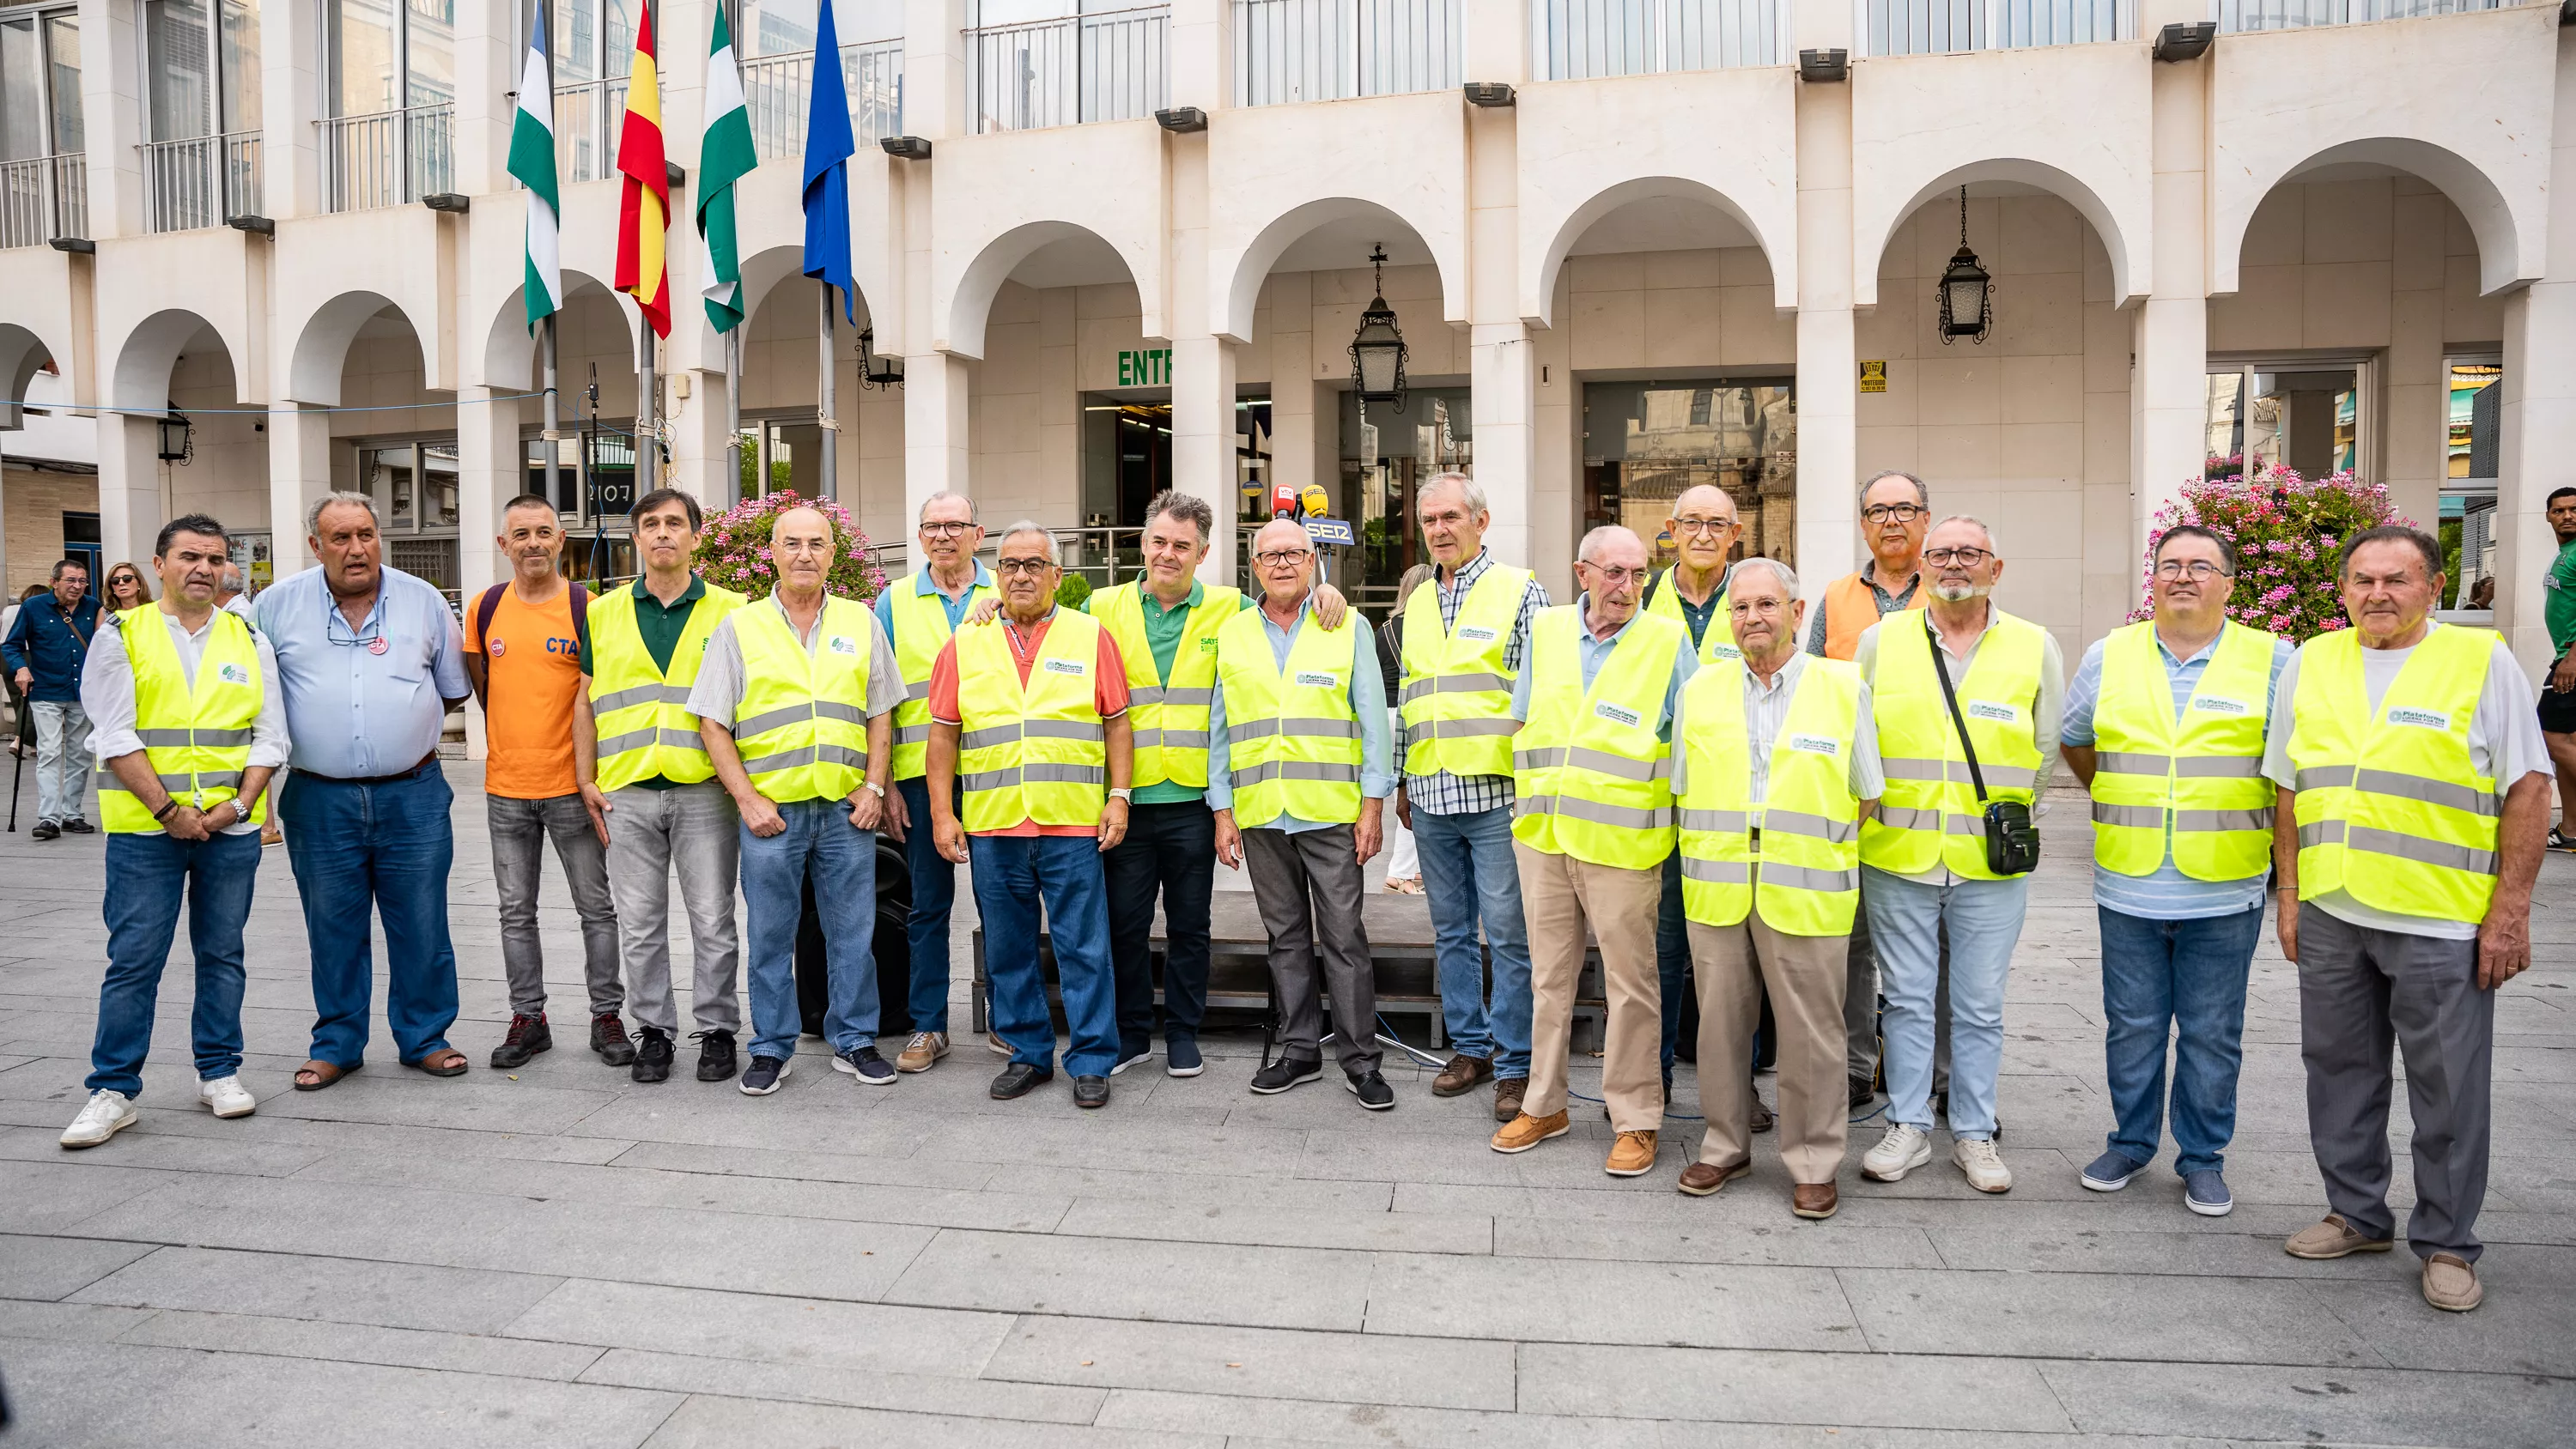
{"type": "Point", "coordinates": [874, 788]}
{"type": "Point", "coordinates": [1122, 794]}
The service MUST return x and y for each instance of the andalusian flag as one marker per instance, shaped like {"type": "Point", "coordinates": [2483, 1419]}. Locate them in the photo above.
{"type": "Point", "coordinates": [532, 161]}
{"type": "Point", "coordinates": [644, 217]}
{"type": "Point", "coordinates": [725, 156]}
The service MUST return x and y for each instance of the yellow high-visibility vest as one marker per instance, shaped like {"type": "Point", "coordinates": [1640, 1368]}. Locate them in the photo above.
{"type": "Point", "coordinates": [920, 632]}
{"type": "Point", "coordinates": [2202, 777]}
{"type": "Point", "coordinates": [1809, 878]}
{"type": "Point", "coordinates": [1292, 743]}
{"type": "Point", "coordinates": [1930, 815]}
{"type": "Point", "coordinates": [1035, 751]}
{"type": "Point", "coordinates": [802, 725]}
{"type": "Point", "coordinates": [1170, 716]}
{"type": "Point", "coordinates": [1591, 777]}
{"type": "Point", "coordinates": [2391, 806]}
{"type": "Point", "coordinates": [1718, 641]}
{"type": "Point", "coordinates": [197, 738]}
{"type": "Point", "coordinates": [1457, 695]}
{"type": "Point", "coordinates": [642, 710]}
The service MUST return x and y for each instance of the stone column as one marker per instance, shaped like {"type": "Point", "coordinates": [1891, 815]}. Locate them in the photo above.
{"type": "Point", "coordinates": [1203, 365]}
{"type": "Point", "coordinates": [2539, 436]}
{"type": "Point", "coordinates": [2168, 387]}
{"type": "Point", "coordinates": [1501, 363]}
{"type": "Point", "coordinates": [1828, 376]}
{"type": "Point", "coordinates": [1203, 461]}
{"type": "Point", "coordinates": [934, 431]}
{"type": "Point", "coordinates": [112, 121]}
{"type": "Point", "coordinates": [299, 471]}
{"type": "Point", "coordinates": [129, 487]}
{"type": "Point", "coordinates": [291, 60]}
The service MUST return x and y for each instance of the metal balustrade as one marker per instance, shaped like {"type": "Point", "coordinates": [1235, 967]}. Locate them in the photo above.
{"type": "Point", "coordinates": [1579, 39]}
{"type": "Point", "coordinates": [43, 197]}
{"type": "Point", "coordinates": [1100, 67]}
{"type": "Point", "coordinates": [200, 182]}
{"type": "Point", "coordinates": [387, 159]}
{"type": "Point", "coordinates": [773, 92]}
{"type": "Point", "coordinates": [2241, 15]}
{"type": "Point", "coordinates": [1325, 50]}
{"type": "Point", "coordinates": [1937, 27]}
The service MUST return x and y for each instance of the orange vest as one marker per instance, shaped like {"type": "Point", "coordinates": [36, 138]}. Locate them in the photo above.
{"type": "Point", "coordinates": [1851, 608]}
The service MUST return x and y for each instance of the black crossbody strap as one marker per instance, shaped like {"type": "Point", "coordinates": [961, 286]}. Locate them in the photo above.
{"type": "Point", "coordinates": [1941, 667]}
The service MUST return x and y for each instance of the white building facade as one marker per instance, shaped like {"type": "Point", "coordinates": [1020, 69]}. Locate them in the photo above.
{"type": "Point", "coordinates": [1632, 245]}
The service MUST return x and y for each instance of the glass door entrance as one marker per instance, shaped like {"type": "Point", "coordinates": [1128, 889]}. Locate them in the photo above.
{"type": "Point", "coordinates": [1647, 443]}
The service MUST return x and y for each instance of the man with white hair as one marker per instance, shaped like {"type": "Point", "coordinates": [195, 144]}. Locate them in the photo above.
{"type": "Point", "coordinates": [229, 591]}
{"type": "Point", "coordinates": [1965, 696]}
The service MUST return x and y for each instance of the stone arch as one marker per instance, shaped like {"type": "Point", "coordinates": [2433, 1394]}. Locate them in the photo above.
{"type": "Point", "coordinates": [322, 348]}
{"type": "Point", "coordinates": [510, 349]}
{"type": "Point", "coordinates": [2508, 250]}
{"type": "Point", "coordinates": [2129, 265]}
{"type": "Point", "coordinates": [141, 378]}
{"type": "Point", "coordinates": [1538, 284]}
{"type": "Point", "coordinates": [1234, 306]}
{"type": "Point", "coordinates": [23, 354]}
{"type": "Point", "coordinates": [971, 304]}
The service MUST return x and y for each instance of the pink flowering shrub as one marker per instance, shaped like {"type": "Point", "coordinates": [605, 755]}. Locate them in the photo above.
{"type": "Point", "coordinates": [2286, 530]}
{"type": "Point", "coordinates": [734, 549]}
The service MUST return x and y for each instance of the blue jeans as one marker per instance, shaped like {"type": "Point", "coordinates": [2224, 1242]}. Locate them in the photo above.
{"type": "Point", "coordinates": [1906, 921]}
{"type": "Point", "coordinates": [819, 840]}
{"type": "Point", "coordinates": [1468, 874]}
{"type": "Point", "coordinates": [1013, 873]}
{"type": "Point", "coordinates": [389, 846]}
{"type": "Point", "coordinates": [2158, 976]}
{"type": "Point", "coordinates": [150, 872]}
{"type": "Point", "coordinates": [934, 896]}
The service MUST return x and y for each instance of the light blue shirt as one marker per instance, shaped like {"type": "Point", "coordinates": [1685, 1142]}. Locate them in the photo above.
{"type": "Point", "coordinates": [1368, 703]}
{"type": "Point", "coordinates": [2167, 895]}
{"type": "Point", "coordinates": [351, 712]}
{"type": "Point", "coordinates": [921, 584]}
{"type": "Point", "coordinates": [1591, 652]}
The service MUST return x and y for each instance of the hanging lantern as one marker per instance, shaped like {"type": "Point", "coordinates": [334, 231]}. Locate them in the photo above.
{"type": "Point", "coordinates": [174, 437]}
{"type": "Point", "coordinates": [874, 370]}
{"type": "Point", "coordinates": [1377, 349]}
{"type": "Point", "coordinates": [1967, 301]}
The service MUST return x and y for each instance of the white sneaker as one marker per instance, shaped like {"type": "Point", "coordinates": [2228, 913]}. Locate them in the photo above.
{"type": "Point", "coordinates": [1984, 1166]}
{"type": "Point", "coordinates": [1903, 1149]}
{"type": "Point", "coordinates": [1146, 1055]}
{"type": "Point", "coordinates": [227, 1097]}
{"type": "Point", "coordinates": [104, 1115]}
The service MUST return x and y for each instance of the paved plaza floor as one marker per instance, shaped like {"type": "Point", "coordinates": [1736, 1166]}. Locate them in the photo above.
{"type": "Point", "coordinates": [563, 1258]}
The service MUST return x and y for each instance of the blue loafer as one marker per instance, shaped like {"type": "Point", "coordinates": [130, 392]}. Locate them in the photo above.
{"type": "Point", "coordinates": [2205, 1192]}
{"type": "Point", "coordinates": [2111, 1171]}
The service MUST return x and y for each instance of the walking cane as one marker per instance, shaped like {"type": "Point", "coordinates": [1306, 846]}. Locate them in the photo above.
{"type": "Point", "coordinates": [16, 775]}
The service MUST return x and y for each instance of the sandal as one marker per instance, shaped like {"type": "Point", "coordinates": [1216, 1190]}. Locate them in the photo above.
{"type": "Point", "coordinates": [444, 1062]}
{"type": "Point", "coordinates": [322, 1073]}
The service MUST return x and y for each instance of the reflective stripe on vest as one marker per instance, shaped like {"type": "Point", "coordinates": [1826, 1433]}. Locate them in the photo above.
{"type": "Point", "coordinates": [920, 632]}
{"type": "Point", "coordinates": [1457, 694]}
{"type": "Point", "coordinates": [1808, 883]}
{"type": "Point", "coordinates": [2391, 807]}
{"type": "Point", "coordinates": [197, 738]}
{"type": "Point", "coordinates": [642, 709]}
{"type": "Point", "coordinates": [1591, 777]}
{"type": "Point", "coordinates": [1292, 743]}
{"type": "Point", "coordinates": [1718, 642]}
{"type": "Point", "coordinates": [1170, 716]}
{"type": "Point", "coordinates": [2203, 774]}
{"type": "Point", "coordinates": [1036, 751]}
{"type": "Point", "coordinates": [1930, 815]}
{"type": "Point", "coordinates": [802, 724]}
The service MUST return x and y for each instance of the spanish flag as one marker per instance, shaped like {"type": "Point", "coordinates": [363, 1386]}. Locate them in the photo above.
{"type": "Point", "coordinates": [645, 215]}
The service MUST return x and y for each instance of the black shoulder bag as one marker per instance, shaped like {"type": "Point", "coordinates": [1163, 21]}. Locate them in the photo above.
{"type": "Point", "coordinates": [2012, 841]}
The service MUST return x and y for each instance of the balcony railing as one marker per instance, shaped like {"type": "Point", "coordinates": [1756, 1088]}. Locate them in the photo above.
{"type": "Point", "coordinates": [387, 159]}
{"type": "Point", "coordinates": [1579, 39]}
{"type": "Point", "coordinates": [588, 116]}
{"type": "Point", "coordinates": [200, 182]}
{"type": "Point", "coordinates": [1103, 67]}
{"type": "Point", "coordinates": [1324, 50]}
{"type": "Point", "coordinates": [43, 197]}
{"type": "Point", "coordinates": [1937, 27]}
{"type": "Point", "coordinates": [2237, 15]}
{"type": "Point", "coordinates": [773, 91]}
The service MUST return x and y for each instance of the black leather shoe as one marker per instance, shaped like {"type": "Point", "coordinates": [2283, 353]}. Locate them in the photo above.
{"type": "Point", "coordinates": [1019, 1079]}
{"type": "Point", "coordinates": [1372, 1090]}
{"type": "Point", "coordinates": [528, 1036]}
{"type": "Point", "coordinates": [715, 1055]}
{"type": "Point", "coordinates": [1283, 1074]}
{"type": "Point", "coordinates": [77, 826]}
{"type": "Point", "coordinates": [1091, 1091]}
{"type": "Point", "coordinates": [46, 830]}
{"type": "Point", "coordinates": [608, 1038]}
{"type": "Point", "coordinates": [652, 1056]}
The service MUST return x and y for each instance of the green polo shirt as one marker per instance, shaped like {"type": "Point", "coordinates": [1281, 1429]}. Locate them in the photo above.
{"type": "Point", "coordinates": [661, 626]}
{"type": "Point", "coordinates": [2558, 600]}
{"type": "Point", "coordinates": [1163, 630]}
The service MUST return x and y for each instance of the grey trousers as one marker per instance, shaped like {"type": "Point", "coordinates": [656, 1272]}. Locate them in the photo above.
{"type": "Point", "coordinates": [1307, 885]}
{"type": "Point", "coordinates": [2360, 992]}
{"type": "Point", "coordinates": [697, 830]}
{"type": "Point", "coordinates": [63, 760]}
{"type": "Point", "coordinates": [520, 829]}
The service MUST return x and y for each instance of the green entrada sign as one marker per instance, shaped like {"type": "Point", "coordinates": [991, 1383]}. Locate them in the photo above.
{"type": "Point", "coordinates": [1149, 368]}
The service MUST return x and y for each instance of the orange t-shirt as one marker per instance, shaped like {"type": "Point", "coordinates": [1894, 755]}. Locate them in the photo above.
{"type": "Point", "coordinates": [533, 669]}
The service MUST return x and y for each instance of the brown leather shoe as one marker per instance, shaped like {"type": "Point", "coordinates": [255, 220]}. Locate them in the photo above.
{"type": "Point", "coordinates": [1702, 1180]}
{"type": "Point", "coordinates": [1813, 1200]}
{"type": "Point", "coordinates": [2450, 1284]}
{"type": "Point", "coordinates": [1463, 1075]}
{"type": "Point", "coordinates": [1508, 1094]}
{"type": "Point", "coordinates": [1633, 1155]}
{"type": "Point", "coordinates": [1524, 1132]}
{"type": "Point", "coordinates": [1759, 1121]}
{"type": "Point", "coordinates": [2333, 1238]}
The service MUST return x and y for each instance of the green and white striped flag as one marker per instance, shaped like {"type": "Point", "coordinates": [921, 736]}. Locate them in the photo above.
{"type": "Point", "coordinates": [532, 161]}
{"type": "Point", "coordinates": [725, 155]}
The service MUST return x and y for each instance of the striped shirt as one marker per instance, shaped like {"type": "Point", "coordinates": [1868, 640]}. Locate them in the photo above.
{"type": "Point", "coordinates": [1443, 793]}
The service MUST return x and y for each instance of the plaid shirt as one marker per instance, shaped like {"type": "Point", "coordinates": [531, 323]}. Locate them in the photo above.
{"type": "Point", "coordinates": [1443, 793]}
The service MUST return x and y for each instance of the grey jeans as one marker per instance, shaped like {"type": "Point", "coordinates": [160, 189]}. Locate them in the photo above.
{"type": "Point", "coordinates": [520, 829]}
{"type": "Point", "coordinates": [62, 759]}
{"type": "Point", "coordinates": [1309, 884]}
{"type": "Point", "coordinates": [2362, 992]}
{"type": "Point", "coordinates": [696, 829]}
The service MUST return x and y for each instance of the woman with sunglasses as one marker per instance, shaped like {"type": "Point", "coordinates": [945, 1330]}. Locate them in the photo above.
{"type": "Point", "coordinates": [126, 589]}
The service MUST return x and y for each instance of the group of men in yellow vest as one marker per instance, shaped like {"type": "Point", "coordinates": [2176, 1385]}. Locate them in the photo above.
{"type": "Point", "coordinates": [2393, 800]}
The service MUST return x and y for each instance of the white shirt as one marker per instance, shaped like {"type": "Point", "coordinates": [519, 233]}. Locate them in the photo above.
{"type": "Point", "coordinates": [107, 696]}
{"type": "Point", "coordinates": [2504, 742]}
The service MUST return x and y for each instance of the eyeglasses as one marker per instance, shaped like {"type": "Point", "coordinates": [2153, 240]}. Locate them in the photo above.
{"type": "Point", "coordinates": [1702, 525]}
{"type": "Point", "coordinates": [2199, 568]}
{"type": "Point", "coordinates": [945, 530]}
{"type": "Point", "coordinates": [1030, 566]}
{"type": "Point", "coordinates": [1759, 608]}
{"type": "Point", "coordinates": [1281, 558]}
{"type": "Point", "coordinates": [1617, 576]}
{"type": "Point", "coordinates": [802, 546]}
{"type": "Point", "coordinates": [1893, 512]}
{"type": "Point", "coordinates": [1966, 558]}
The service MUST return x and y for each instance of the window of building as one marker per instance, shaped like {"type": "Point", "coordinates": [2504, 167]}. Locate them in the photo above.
{"type": "Point", "coordinates": [1385, 458]}
{"type": "Point", "coordinates": [202, 112]}
{"type": "Point", "coordinates": [389, 83]}
{"type": "Point", "coordinates": [2474, 433]}
{"type": "Point", "coordinates": [44, 189]}
{"type": "Point", "coordinates": [2309, 416]}
{"type": "Point", "coordinates": [414, 487]}
{"type": "Point", "coordinates": [1647, 443]}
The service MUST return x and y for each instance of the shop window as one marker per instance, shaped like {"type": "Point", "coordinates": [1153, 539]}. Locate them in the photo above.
{"type": "Point", "coordinates": [1386, 457]}
{"type": "Point", "coordinates": [1647, 443]}
{"type": "Point", "coordinates": [2474, 431]}
{"type": "Point", "coordinates": [2304, 416]}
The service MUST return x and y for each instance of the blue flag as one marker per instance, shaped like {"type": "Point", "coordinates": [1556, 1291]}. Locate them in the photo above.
{"type": "Point", "coordinates": [828, 144]}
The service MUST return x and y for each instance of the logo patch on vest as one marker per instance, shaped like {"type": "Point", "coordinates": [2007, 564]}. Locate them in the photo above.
{"type": "Point", "coordinates": [2422, 719]}
{"type": "Point", "coordinates": [1314, 679]}
{"type": "Point", "coordinates": [1724, 651]}
{"type": "Point", "coordinates": [1208, 645]}
{"type": "Point", "coordinates": [1067, 666]}
{"type": "Point", "coordinates": [1816, 745]}
{"type": "Point", "coordinates": [233, 674]}
{"type": "Point", "coordinates": [1988, 709]}
{"type": "Point", "coordinates": [2220, 704]}
{"type": "Point", "coordinates": [1477, 634]}
{"type": "Point", "coordinates": [844, 644]}
{"type": "Point", "coordinates": [1618, 714]}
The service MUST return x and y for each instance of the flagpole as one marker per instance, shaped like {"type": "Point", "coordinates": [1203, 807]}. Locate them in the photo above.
{"type": "Point", "coordinates": [554, 423]}
{"type": "Point", "coordinates": [731, 493]}
{"type": "Point", "coordinates": [829, 416]}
